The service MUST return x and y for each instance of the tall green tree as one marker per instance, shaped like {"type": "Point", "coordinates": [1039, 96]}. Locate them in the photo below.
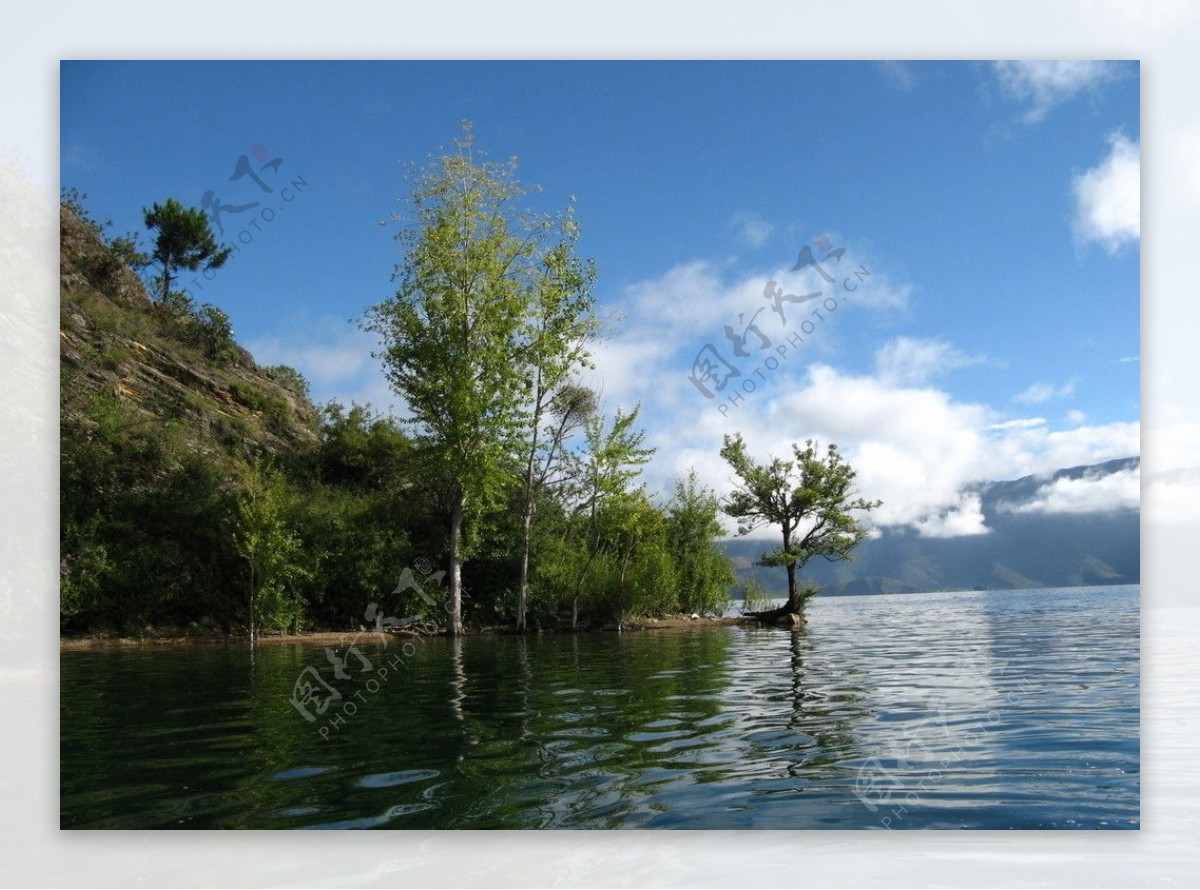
{"type": "Point", "coordinates": [560, 326]}
{"type": "Point", "coordinates": [634, 532]}
{"type": "Point", "coordinates": [704, 575]}
{"type": "Point", "coordinates": [547, 460]}
{"type": "Point", "coordinates": [452, 336]}
{"type": "Point", "coordinates": [183, 240]}
{"type": "Point", "coordinates": [811, 498]}
{"type": "Point", "coordinates": [611, 462]}
{"type": "Point", "coordinates": [272, 551]}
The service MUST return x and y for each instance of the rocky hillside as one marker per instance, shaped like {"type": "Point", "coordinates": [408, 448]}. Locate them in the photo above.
{"type": "Point", "coordinates": [173, 364]}
{"type": "Point", "coordinates": [166, 429]}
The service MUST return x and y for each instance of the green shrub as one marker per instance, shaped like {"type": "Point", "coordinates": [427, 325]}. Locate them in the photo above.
{"type": "Point", "coordinates": [289, 378]}
{"type": "Point", "coordinates": [214, 333]}
{"type": "Point", "coordinates": [755, 597]}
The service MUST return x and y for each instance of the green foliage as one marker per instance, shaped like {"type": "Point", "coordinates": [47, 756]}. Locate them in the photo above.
{"type": "Point", "coordinates": [275, 410]}
{"type": "Point", "coordinates": [559, 327]}
{"type": "Point", "coordinates": [271, 549]}
{"type": "Point", "coordinates": [755, 597]}
{"type": "Point", "coordinates": [143, 519]}
{"type": "Point", "coordinates": [212, 332]}
{"type": "Point", "coordinates": [84, 570]}
{"type": "Point", "coordinates": [126, 250]}
{"type": "Point", "coordinates": [112, 356]}
{"type": "Point", "coordinates": [612, 460]}
{"type": "Point", "coordinates": [289, 378]}
{"type": "Point", "coordinates": [183, 240]}
{"type": "Point", "coordinates": [178, 304]}
{"type": "Point", "coordinates": [450, 334]}
{"type": "Point", "coordinates": [75, 201]}
{"type": "Point", "coordinates": [635, 570]}
{"type": "Point", "coordinates": [455, 336]}
{"type": "Point", "coordinates": [611, 553]}
{"type": "Point", "coordinates": [810, 497]}
{"type": "Point", "coordinates": [170, 515]}
{"type": "Point", "coordinates": [206, 327]}
{"type": "Point", "coordinates": [805, 595]}
{"type": "Point", "coordinates": [603, 477]}
{"type": "Point", "coordinates": [102, 267]}
{"type": "Point", "coordinates": [704, 574]}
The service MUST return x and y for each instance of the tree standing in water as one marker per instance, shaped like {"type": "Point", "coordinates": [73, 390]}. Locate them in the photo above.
{"type": "Point", "coordinates": [811, 498]}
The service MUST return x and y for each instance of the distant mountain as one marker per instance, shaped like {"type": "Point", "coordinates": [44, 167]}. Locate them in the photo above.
{"type": "Point", "coordinates": [1025, 547]}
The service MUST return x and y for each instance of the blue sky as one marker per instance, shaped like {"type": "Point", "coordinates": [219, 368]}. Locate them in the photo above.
{"type": "Point", "coordinates": [994, 205]}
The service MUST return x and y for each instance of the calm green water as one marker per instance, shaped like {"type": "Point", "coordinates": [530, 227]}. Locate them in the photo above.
{"type": "Point", "coordinates": [1013, 709]}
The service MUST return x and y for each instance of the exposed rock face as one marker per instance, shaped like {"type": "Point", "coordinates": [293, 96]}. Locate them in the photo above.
{"type": "Point", "coordinates": [115, 340]}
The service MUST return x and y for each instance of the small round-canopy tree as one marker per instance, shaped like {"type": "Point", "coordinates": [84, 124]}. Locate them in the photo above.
{"type": "Point", "coordinates": [184, 241]}
{"type": "Point", "coordinates": [810, 497]}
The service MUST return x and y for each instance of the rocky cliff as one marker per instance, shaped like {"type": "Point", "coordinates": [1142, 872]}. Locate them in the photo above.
{"type": "Point", "coordinates": [172, 364]}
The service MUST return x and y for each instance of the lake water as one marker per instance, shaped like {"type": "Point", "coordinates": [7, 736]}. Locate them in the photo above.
{"type": "Point", "coordinates": [995, 710]}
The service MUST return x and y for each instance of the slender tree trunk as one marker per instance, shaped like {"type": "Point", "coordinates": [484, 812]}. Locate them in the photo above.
{"type": "Point", "coordinates": [251, 603]}
{"type": "Point", "coordinates": [523, 590]}
{"type": "Point", "coordinates": [791, 570]}
{"type": "Point", "coordinates": [456, 523]}
{"type": "Point", "coordinates": [527, 527]}
{"type": "Point", "coordinates": [579, 590]}
{"type": "Point", "coordinates": [623, 606]}
{"type": "Point", "coordinates": [166, 277]}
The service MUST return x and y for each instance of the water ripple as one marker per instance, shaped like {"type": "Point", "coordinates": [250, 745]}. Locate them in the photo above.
{"type": "Point", "coordinates": [969, 710]}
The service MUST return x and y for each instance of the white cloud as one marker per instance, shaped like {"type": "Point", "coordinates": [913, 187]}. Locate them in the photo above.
{"type": "Point", "coordinates": [1020, 423]}
{"type": "Point", "coordinates": [1075, 417]}
{"type": "Point", "coordinates": [1037, 393]}
{"type": "Point", "coordinates": [911, 442]}
{"type": "Point", "coordinates": [960, 520]}
{"type": "Point", "coordinates": [328, 352]}
{"type": "Point", "coordinates": [1026, 452]}
{"type": "Point", "coordinates": [1089, 494]}
{"type": "Point", "coordinates": [752, 230]}
{"type": "Point", "coordinates": [910, 360]}
{"type": "Point", "coordinates": [1044, 84]}
{"type": "Point", "coordinates": [917, 449]}
{"type": "Point", "coordinates": [1108, 197]}
{"type": "Point", "coordinates": [881, 294]}
{"type": "Point", "coordinates": [334, 356]}
{"type": "Point", "coordinates": [669, 319]}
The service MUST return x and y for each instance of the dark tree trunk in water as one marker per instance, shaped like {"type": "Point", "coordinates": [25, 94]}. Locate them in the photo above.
{"type": "Point", "coordinates": [791, 568]}
{"type": "Point", "coordinates": [789, 613]}
{"type": "Point", "coordinates": [770, 616]}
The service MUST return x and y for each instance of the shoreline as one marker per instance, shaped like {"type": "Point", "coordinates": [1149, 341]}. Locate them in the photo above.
{"type": "Point", "coordinates": [108, 641]}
